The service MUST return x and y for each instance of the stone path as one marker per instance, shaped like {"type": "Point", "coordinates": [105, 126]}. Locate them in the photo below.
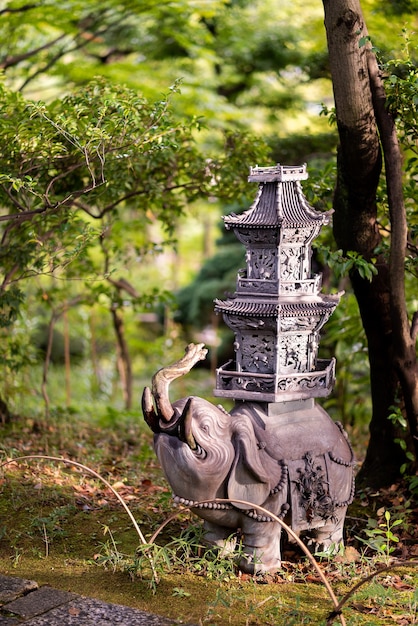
{"type": "Point", "coordinates": [24, 602]}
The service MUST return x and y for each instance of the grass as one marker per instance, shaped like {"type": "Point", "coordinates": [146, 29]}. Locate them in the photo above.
{"type": "Point", "coordinates": [63, 527]}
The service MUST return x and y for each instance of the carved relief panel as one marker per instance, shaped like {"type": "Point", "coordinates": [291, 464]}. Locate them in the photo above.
{"type": "Point", "coordinates": [291, 264]}
{"type": "Point", "coordinates": [293, 353]}
{"type": "Point", "coordinates": [262, 263]}
{"type": "Point", "coordinates": [255, 352]}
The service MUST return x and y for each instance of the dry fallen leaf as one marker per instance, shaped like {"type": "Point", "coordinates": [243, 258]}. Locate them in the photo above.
{"type": "Point", "coordinates": [73, 611]}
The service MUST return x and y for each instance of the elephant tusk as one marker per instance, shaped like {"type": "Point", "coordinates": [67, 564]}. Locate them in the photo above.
{"type": "Point", "coordinates": [148, 410]}
{"type": "Point", "coordinates": [185, 426]}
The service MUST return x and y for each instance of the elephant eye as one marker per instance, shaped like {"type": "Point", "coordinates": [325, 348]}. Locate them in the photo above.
{"type": "Point", "coordinates": [205, 428]}
{"type": "Point", "coordinates": [199, 452]}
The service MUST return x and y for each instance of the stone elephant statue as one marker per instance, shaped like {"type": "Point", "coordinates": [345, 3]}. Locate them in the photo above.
{"type": "Point", "coordinates": [298, 466]}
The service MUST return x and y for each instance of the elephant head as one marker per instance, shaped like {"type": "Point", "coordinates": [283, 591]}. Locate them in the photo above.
{"type": "Point", "coordinates": [204, 451]}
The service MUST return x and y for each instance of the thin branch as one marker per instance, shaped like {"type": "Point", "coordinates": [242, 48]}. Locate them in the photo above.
{"type": "Point", "coordinates": [12, 199]}
{"type": "Point", "coordinates": [8, 277]}
{"type": "Point", "coordinates": [55, 179]}
{"type": "Point", "coordinates": [83, 42]}
{"type": "Point", "coordinates": [25, 7]}
{"type": "Point", "coordinates": [363, 581]}
{"type": "Point", "coordinates": [22, 216]}
{"type": "Point", "coordinates": [124, 285]}
{"type": "Point", "coordinates": [11, 61]}
{"type": "Point", "coordinates": [128, 196]}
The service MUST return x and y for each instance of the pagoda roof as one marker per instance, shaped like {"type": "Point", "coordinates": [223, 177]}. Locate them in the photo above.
{"type": "Point", "coordinates": [251, 308]}
{"type": "Point", "coordinates": [279, 202]}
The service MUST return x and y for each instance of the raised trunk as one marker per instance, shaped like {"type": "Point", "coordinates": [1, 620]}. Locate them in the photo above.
{"type": "Point", "coordinates": [356, 228]}
{"type": "Point", "coordinates": [162, 379]}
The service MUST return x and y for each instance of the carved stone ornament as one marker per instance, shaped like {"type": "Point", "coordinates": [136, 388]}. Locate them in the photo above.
{"type": "Point", "coordinates": [277, 292]}
{"type": "Point", "coordinates": [276, 448]}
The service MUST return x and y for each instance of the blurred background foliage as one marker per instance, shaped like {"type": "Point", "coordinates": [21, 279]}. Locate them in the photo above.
{"type": "Point", "coordinates": [128, 130]}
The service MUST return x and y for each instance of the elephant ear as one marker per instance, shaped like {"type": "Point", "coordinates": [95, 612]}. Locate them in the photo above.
{"type": "Point", "coordinates": [249, 479]}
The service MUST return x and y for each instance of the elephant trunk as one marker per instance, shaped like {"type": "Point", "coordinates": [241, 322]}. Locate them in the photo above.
{"type": "Point", "coordinates": [161, 382]}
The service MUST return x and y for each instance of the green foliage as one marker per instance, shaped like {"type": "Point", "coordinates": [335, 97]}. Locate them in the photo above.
{"type": "Point", "coordinates": [243, 51]}
{"type": "Point", "coordinates": [88, 176]}
{"type": "Point", "coordinates": [344, 339]}
{"type": "Point", "coordinates": [342, 264]}
{"type": "Point", "coordinates": [10, 306]}
{"type": "Point", "coordinates": [186, 553]}
{"type": "Point", "coordinates": [397, 418]}
{"type": "Point", "coordinates": [216, 277]}
{"type": "Point", "coordinates": [380, 536]}
{"type": "Point", "coordinates": [87, 138]}
{"type": "Point", "coordinates": [401, 86]}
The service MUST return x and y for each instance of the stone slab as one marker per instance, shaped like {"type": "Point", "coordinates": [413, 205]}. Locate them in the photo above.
{"type": "Point", "coordinates": [9, 621]}
{"type": "Point", "coordinates": [37, 602]}
{"type": "Point", "coordinates": [11, 588]}
{"type": "Point", "coordinates": [31, 605]}
{"type": "Point", "coordinates": [89, 612]}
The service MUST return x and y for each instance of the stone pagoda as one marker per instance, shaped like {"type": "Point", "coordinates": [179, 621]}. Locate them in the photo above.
{"type": "Point", "coordinates": [277, 455]}
{"type": "Point", "coordinates": [277, 310]}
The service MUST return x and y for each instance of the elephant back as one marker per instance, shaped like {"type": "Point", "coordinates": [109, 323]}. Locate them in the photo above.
{"type": "Point", "coordinates": [317, 454]}
{"type": "Point", "coordinates": [289, 436]}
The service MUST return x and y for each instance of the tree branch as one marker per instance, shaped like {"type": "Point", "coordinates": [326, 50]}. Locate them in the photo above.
{"type": "Point", "coordinates": [11, 61]}
{"type": "Point", "coordinates": [124, 285]}
{"type": "Point", "coordinates": [84, 38]}
{"type": "Point", "coordinates": [25, 7]}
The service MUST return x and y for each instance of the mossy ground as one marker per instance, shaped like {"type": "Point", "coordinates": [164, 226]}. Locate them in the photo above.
{"type": "Point", "coordinates": [62, 527]}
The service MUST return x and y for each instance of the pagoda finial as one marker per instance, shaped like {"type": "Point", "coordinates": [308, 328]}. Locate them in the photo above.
{"type": "Point", "coordinates": [281, 173]}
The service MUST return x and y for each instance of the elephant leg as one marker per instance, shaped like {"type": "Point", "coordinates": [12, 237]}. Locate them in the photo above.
{"type": "Point", "coordinates": [261, 547]}
{"type": "Point", "coordinates": [329, 538]}
{"type": "Point", "coordinates": [219, 537]}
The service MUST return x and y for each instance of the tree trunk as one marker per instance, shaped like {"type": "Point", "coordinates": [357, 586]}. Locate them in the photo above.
{"type": "Point", "coordinates": [124, 360]}
{"type": "Point", "coordinates": [47, 360]}
{"type": "Point", "coordinates": [404, 354]}
{"type": "Point", "coordinates": [359, 163]}
{"type": "Point", "coordinates": [67, 357]}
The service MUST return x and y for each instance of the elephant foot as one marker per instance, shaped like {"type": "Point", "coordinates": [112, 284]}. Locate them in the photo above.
{"type": "Point", "coordinates": [256, 565]}
{"type": "Point", "coordinates": [260, 548]}
{"type": "Point", "coordinates": [219, 538]}
{"type": "Point", "coordinates": [326, 541]}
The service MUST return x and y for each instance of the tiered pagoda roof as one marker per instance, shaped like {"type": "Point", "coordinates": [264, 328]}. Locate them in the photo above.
{"type": "Point", "coordinates": [280, 204]}
{"type": "Point", "coordinates": [273, 308]}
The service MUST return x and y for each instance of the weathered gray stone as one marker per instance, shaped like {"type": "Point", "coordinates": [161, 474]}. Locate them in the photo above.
{"type": "Point", "coordinates": [90, 612]}
{"type": "Point", "coordinates": [8, 621]}
{"type": "Point", "coordinates": [37, 602]}
{"type": "Point", "coordinates": [277, 455]}
{"type": "Point", "coordinates": [46, 606]}
{"type": "Point", "coordinates": [12, 587]}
